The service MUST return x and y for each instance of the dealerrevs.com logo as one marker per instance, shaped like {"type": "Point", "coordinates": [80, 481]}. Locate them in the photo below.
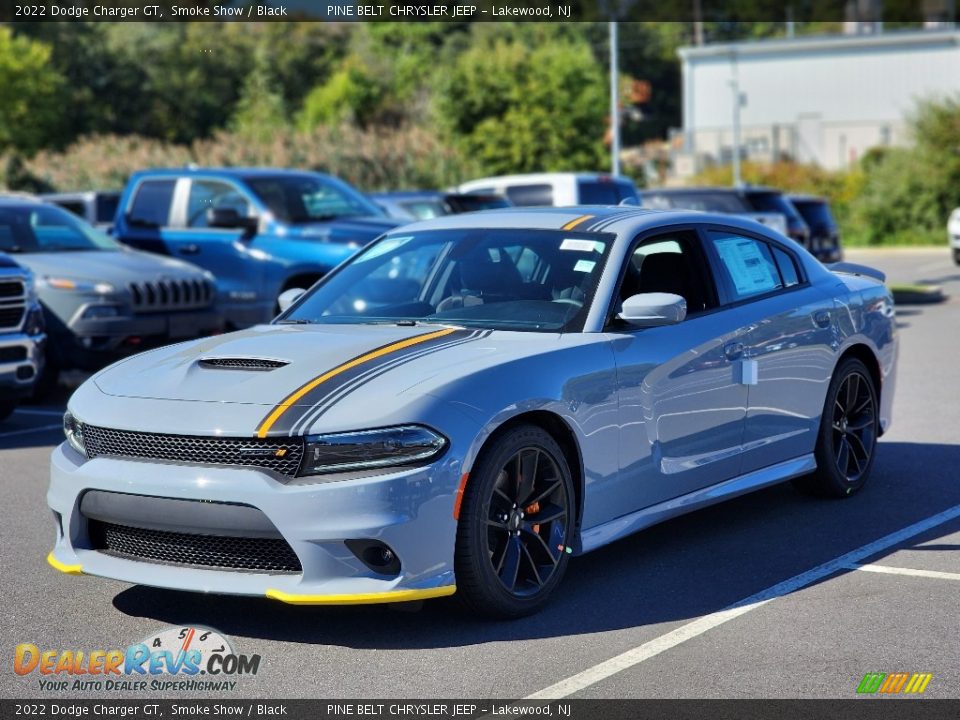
{"type": "Point", "coordinates": [899, 683]}
{"type": "Point", "coordinates": [177, 658]}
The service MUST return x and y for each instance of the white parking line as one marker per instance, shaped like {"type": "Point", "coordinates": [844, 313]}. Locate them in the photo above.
{"type": "Point", "coordinates": [888, 570]}
{"type": "Point", "coordinates": [590, 676]}
{"type": "Point", "coordinates": [31, 430]}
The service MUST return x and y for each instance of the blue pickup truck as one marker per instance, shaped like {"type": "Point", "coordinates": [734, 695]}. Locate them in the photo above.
{"type": "Point", "coordinates": [260, 231]}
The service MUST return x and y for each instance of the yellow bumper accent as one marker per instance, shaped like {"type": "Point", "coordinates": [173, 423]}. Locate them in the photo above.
{"type": "Point", "coordinates": [362, 598]}
{"type": "Point", "coordinates": [68, 569]}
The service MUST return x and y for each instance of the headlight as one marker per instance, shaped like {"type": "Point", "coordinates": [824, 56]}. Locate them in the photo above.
{"type": "Point", "coordinates": [74, 432]}
{"type": "Point", "coordinates": [35, 323]}
{"type": "Point", "coordinates": [370, 449]}
{"type": "Point", "coordinates": [61, 283]}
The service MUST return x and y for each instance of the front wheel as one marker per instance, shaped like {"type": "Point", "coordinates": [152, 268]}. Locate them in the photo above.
{"type": "Point", "coordinates": [849, 428]}
{"type": "Point", "coordinates": [516, 519]}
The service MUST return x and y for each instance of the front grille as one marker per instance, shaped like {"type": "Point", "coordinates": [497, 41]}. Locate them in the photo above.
{"type": "Point", "coordinates": [241, 364]}
{"type": "Point", "coordinates": [13, 353]}
{"type": "Point", "coordinates": [280, 455]}
{"type": "Point", "coordinates": [11, 289]}
{"type": "Point", "coordinates": [159, 295]}
{"type": "Point", "coordinates": [11, 316]}
{"type": "Point", "coordinates": [187, 549]}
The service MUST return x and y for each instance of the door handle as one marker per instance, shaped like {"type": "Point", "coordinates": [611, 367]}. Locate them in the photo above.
{"type": "Point", "coordinates": [821, 318]}
{"type": "Point", "coordinates": [733, 350]}
{"type": "Point", "coordinates": [191, 249]}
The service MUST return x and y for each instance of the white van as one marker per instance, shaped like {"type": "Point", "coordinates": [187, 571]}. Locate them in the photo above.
{"type": "Point", "coordinates": [557, 189]}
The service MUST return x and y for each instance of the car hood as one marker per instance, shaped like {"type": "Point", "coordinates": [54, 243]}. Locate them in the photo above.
{"type": "Point", "coordinates": [116, 267]}
{"type": "Point", "coordinates": [348, 229]}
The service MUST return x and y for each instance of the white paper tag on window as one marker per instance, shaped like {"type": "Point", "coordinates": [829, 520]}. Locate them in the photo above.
{"type": "Point", "coordinates": [584, 266]}
{"type": "Point", "coordinates": [579, 245]}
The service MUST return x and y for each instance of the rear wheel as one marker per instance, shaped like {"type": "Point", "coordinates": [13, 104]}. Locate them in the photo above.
{"type": "Point", "coordinates": [848, 435]}
{"type": "Point", "coordinates": [516, 519]}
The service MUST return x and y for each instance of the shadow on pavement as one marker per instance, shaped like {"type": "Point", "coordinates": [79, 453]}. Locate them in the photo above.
{"type": "Point", "coordinates": [678, 570]}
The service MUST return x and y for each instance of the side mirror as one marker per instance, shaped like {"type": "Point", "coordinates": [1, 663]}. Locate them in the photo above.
{"type": "Point", "coordinates": [228, 218]}
{"type": "Point", "coordinates": [653, 309]}
{"type": "Point", "coordinates": [289, 297]}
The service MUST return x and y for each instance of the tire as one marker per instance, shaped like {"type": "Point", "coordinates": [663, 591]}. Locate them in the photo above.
{"type": "Point", "coordinates": [847, 441]}
{"type": "Point", "coordinates": [956, 256]}
{"type": "Point", "coordinates": [512, 536]}
{"type": "Point", "coordinates": [7, 406]}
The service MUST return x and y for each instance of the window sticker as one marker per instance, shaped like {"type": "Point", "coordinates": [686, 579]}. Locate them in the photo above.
{"type": "Point", "coordinates": [584, 266]}
{"type": "Point", "coordinates": [749, 270]}
{"type": "Point", "coordinates": [582, 245]}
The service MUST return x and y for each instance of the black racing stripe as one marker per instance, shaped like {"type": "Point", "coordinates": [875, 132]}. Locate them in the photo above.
{"type": "Point", "coordinates": [317, 411]}
{"type": "Point", "coordinates": [285, 423]}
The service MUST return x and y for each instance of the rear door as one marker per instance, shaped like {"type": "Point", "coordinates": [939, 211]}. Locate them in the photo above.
{"type": "Point", "coordinates": [785, 347]}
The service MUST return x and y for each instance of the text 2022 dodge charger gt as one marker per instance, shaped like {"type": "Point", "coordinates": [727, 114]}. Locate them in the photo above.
{"type": "Point", "coordinates": [471, 400]}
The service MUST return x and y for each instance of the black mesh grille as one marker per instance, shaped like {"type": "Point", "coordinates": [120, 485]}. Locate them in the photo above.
{"type": "Point", "coordinates": [213, 551]}
{"type": "Point", "coordinates": [11, 289]}
{"type": "Point", "coordinates": [10, 317]}
{"type": "Point", "coordinates": [241, 364]}
{"type": "Point", "coordinates": [280, 455]}
{"type": "Point", "coordinates": [13, 353]}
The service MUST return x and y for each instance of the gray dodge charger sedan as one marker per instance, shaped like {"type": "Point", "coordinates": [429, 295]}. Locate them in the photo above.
{"type": "Point", "coordinates": [471, 400]}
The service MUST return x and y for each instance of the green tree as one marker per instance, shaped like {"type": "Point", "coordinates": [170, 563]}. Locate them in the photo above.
{"type": "Point", "coordinates": [517, 107]}
{"type": "Point", "coordinates": [351, 94]}
{"type": "Point", "coordinates": [260, 111]}
{"type": "Point", "coordinates": [31, 112]}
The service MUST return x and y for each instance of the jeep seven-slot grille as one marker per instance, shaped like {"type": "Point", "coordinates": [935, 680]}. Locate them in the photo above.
{"type": "Point", "coordinates": [165, 294]}
{"type": "Point", "coordinates": [210, 551]}
{"type": "Point", "coordinates": [279, 455]}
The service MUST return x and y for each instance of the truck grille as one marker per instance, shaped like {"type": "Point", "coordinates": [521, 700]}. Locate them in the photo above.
{"type": "Point", "coordinates": [11, 289]}
{"type": "Point", "coordinates": [11, 316]}
{"type": "Point", "coordinates": [273, 555]}
{"type": "Point", "coordinates": [165, 295]}
{"type": "Point", "coordinates": [281, 455]}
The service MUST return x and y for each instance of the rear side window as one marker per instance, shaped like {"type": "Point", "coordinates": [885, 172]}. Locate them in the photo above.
{"type": "Point", "coordinates": [76, 208]}
{"type": "Point", "coordinates": [151, 204]}
{"type": "Point", "coordinates": [107, 207]}
{"type": "Point", "coordinates": [530, 195]}
{"type": "Point", "coordinates": [599, 193]}
{"type": "Point", "coordinates": [787, 267]}
{"type": "Point", "coordinates": [747, 264]}
{"type": "Point", "coordinates": [772, 202]}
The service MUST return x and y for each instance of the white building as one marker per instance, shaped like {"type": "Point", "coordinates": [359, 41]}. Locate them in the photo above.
{"type": "Point", "coordinates": [823, 100]}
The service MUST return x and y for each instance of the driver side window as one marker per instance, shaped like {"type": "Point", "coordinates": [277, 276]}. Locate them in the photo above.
{"type": "Point", "coordinates": [208, 194]}
{"type": "Point", "coordinates": [669, 263]}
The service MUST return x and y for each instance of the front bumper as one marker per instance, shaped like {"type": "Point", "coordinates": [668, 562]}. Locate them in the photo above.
{"type": "Point", "coordinates": [408, 510]}
{"type": "Point", "coordinates": [25, 363]}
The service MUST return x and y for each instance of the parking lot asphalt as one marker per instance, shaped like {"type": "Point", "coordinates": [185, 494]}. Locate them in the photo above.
{"type": "Point", "coordinates": [823, 591]}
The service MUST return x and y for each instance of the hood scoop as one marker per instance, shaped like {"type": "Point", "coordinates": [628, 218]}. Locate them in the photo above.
{"type": "Point", "coordinates": [241, 363]}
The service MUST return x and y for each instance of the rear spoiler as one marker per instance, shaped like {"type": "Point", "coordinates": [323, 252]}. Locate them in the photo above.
{"type": "Point", "coordinates": [854, 269]}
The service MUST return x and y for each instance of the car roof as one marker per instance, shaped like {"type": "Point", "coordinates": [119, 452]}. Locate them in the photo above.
{"type": "Point", "coordinates": [546, 177]}
{"type": "Point", "coordinates": [806, 198]}
{"type": "Point", "coordinates": [77, 194]}
{"type": "Point", "coordinates": [19, 200]}
{"type": "Point", "coordinates": [407, 195]}
{"type": "Point", "coordinates": [619, 219]}
{"type": "Point", "coordinates": [710, 188]}
{"type": "Point", "coordinates": [233, 172]}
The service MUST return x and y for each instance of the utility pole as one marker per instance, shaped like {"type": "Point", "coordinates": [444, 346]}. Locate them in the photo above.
{"type": "Point", "coordinates": [614, 103]}
{"type": "Point", "coordinates": [735, 89]}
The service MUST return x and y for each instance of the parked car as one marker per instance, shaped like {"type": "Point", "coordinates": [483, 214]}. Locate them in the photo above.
{"type": "Point", "coordinates": [824, 232]}
{"type": "Point", "coordinates": [472, 399]}
{"type": "Point", "coordinates": [97, 207]}
{"type": "Point", "coordinates": [556, 189]}
{"type": "Point", "coordinates": [953, 234]}
{"type": "Point", "coordinates": [102, 300]}
{"type": "Point", "coordinates": [22, 336]}
{"type": "Point", "coordinates": [759, 203]}
{"type": "Point", "coordinates": [425, 204]}
{"type": "Point", "coordinates": [260, 231]}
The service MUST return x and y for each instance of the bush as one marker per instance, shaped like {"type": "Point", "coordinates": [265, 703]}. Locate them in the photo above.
{"type": "Point", "coordinates": [371, 160]}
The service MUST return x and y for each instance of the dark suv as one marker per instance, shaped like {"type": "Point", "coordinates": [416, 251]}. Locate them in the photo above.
{"type": "Point", "coordinates": [736, 201]}
{"type": "Point", "coordinates": [824, 233]}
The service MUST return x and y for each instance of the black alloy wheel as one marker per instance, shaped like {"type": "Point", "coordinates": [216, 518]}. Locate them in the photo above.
{"type": "Point", "coordinates": [515, 522]}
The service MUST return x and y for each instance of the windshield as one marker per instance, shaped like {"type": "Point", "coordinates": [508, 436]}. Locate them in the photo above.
{"type": "Point", "coordinates": [531, 280]}
{"type": "Point", "coordinates": [309, 198]}
{"type": "Point", "coordinates": [772, 202]}
{"type": "Point", "coordinates": [45, 228]}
